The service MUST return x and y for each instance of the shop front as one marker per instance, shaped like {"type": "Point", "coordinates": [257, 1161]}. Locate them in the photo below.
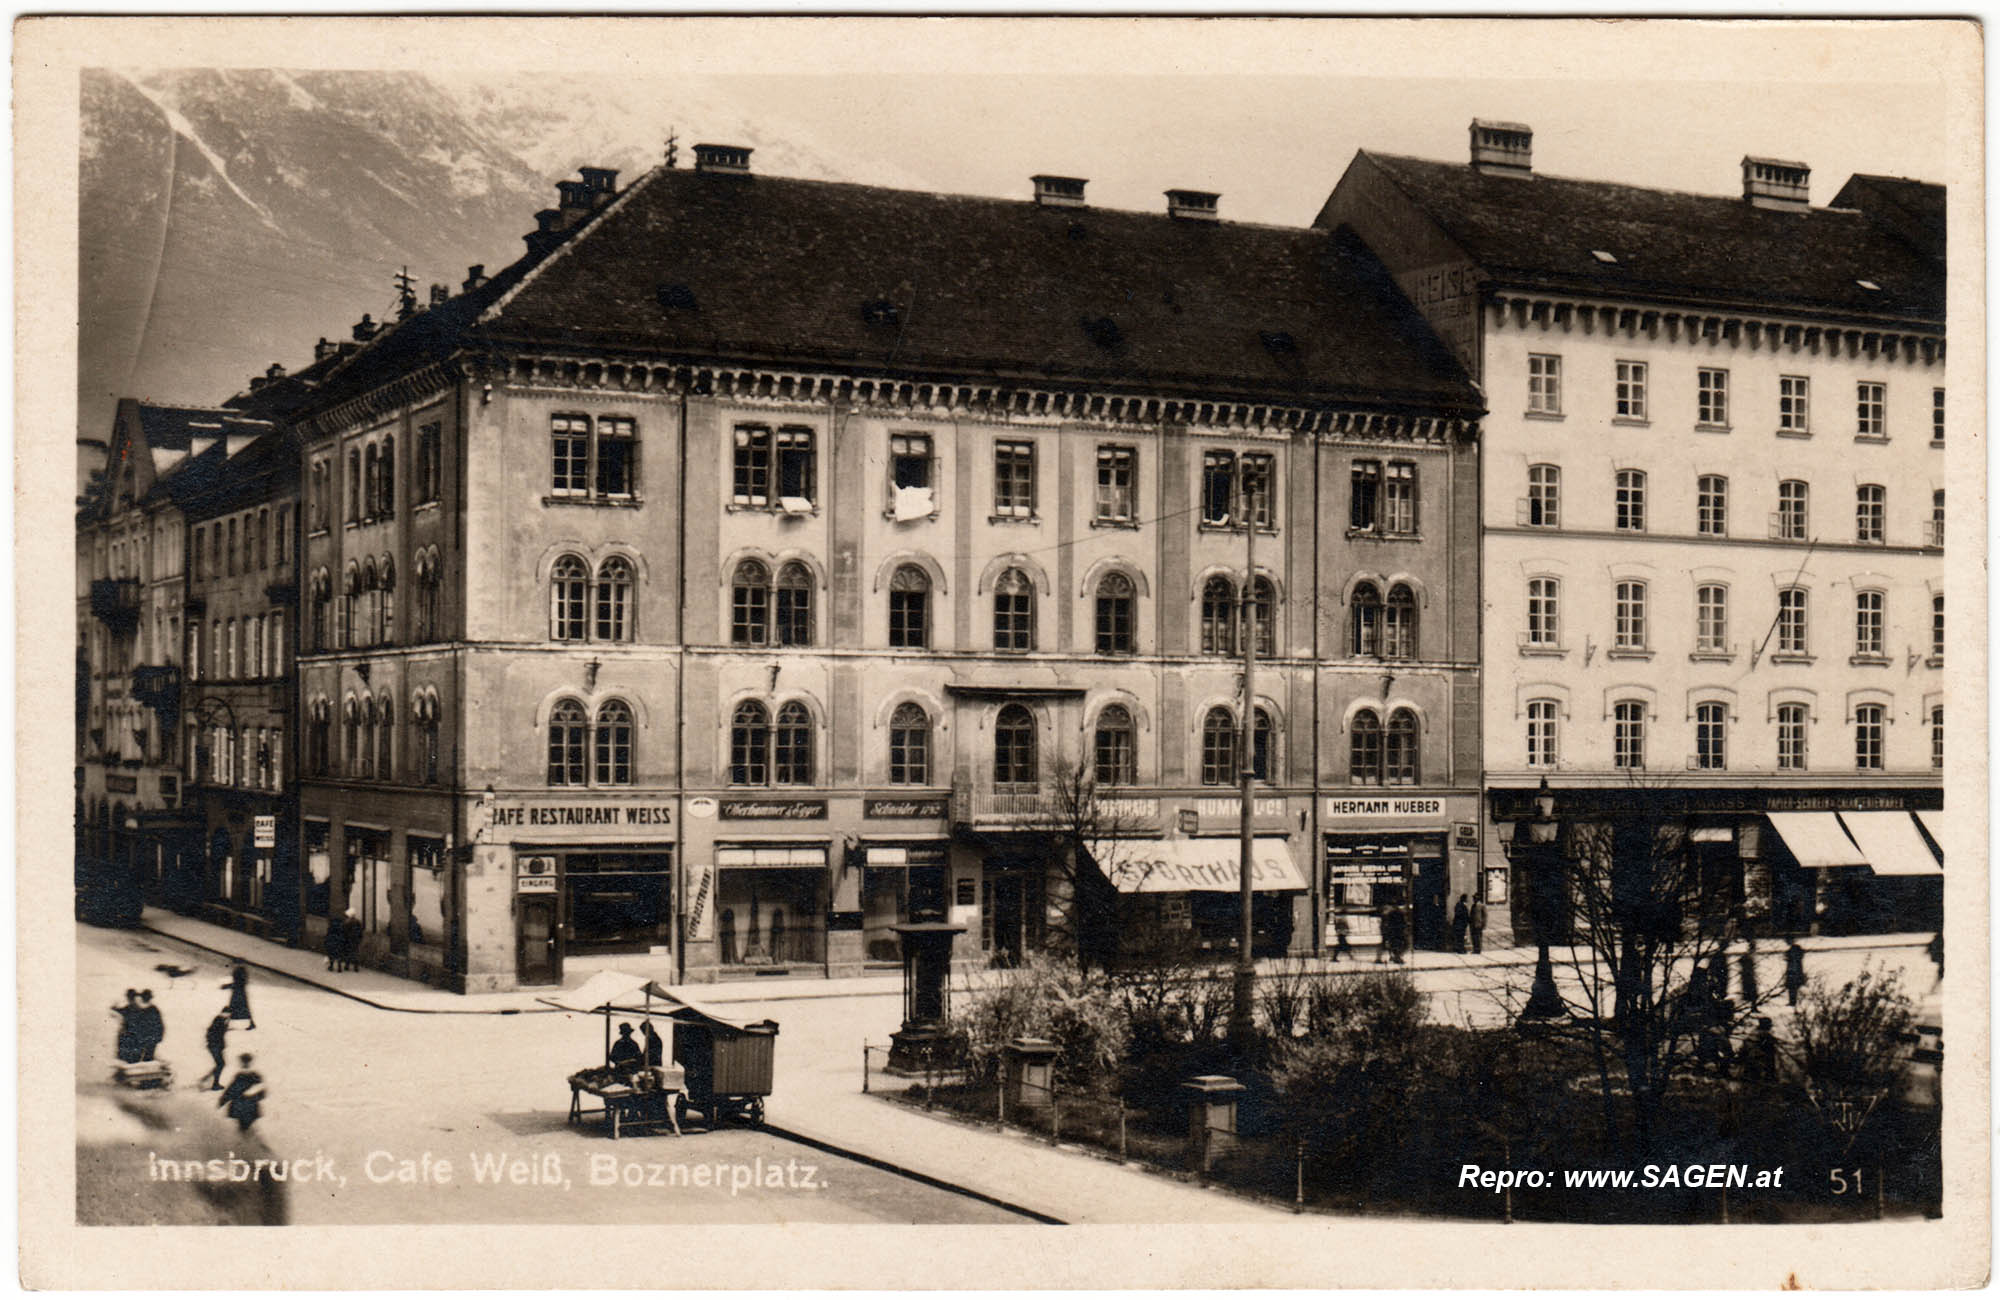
{"type": "Point", "coordinates": [1410, 857]}
{"type": "Point", "coordinates": [1181, 897]}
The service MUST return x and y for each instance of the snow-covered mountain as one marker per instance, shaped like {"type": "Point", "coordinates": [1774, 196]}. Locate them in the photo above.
{"type": "Point", "coordinates": [229, 218]}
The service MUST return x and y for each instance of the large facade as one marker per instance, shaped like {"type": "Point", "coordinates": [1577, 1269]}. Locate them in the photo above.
{"type": "Point", "coordinates": [1713, 508]}
{"type": "Point", "coordinates": [728, 581]}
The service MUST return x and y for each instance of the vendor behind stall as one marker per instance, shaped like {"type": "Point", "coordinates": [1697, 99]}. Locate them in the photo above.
{"type": "Point", "coordinates": [626, 1054]}
{"type": "Point", "coordinates": [656, 1048]}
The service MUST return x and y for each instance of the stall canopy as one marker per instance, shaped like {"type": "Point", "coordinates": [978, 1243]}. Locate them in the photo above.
{"type": "Point", "coordinates": [624, 993]}
{"type": "Point", "coordinates": [1816, 839]}
{"type": "Point", "coordinates": [1184, 866]}
{"type": "Point", "coordinates": [1892, 843]}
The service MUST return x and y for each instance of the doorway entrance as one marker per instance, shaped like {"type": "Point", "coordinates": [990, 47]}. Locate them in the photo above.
{"type": "Point", "coordinates": [538, 958]}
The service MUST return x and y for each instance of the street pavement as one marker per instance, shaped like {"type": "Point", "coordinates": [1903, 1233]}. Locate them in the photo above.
{"type": "Point", "coordinates": [352, 1073]}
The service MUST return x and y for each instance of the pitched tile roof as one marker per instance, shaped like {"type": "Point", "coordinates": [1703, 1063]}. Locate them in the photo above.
{"type": "Point", "coordinates": [820, 273]}
{"type": "Point", "coordinates": [1544, 231]}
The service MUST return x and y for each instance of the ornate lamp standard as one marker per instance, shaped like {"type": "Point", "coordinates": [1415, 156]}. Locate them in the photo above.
{"type": "Point", "coordinates": [1535, 847]}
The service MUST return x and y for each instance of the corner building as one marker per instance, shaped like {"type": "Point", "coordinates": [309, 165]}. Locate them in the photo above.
{"type": "Point", "coordinates": [1713, 512]}
{"type": "Point", "coordinates": [734, 576]}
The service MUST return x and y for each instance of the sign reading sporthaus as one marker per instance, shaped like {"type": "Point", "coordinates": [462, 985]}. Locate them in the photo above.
{"type": "Point", "coordinates": [1176, 866]}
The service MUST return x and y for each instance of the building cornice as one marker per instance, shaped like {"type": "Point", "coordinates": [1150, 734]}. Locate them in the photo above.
{"type": "Point", "coordinates": [1736, 329]}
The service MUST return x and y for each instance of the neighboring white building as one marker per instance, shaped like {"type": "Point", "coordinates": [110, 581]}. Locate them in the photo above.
{"type": "Point", "coordinates": [1713, 494]}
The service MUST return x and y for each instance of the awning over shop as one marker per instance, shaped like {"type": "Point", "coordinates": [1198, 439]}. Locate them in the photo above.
{"type": "Point", "coordinates": [1933, 820]}
{"type": "Point", "coordinates": [1816, 839]}
{"type": "Point", "coordinates": [1184, 866]}
{"type": "Point", "coordinates": [1891, 841]}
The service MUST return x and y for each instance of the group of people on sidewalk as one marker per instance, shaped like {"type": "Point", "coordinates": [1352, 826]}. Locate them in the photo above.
{"type": "Point", "coordinates": [142, 1027]}
{"type": "Point", "coordinates": [343, 942]}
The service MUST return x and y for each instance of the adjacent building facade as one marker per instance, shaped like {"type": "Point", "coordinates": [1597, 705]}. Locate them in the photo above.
{"type": "Point", "coordinates": [1713, 509]}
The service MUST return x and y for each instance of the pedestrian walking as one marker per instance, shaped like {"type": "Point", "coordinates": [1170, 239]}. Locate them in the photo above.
{"type": "Point", "coordinates": [1746, 970]}
{"type": "Point", "coordinates": [1478, 923]}
{"type": "Point", "coordinates": [1342, 949]}
{"type": "Point", "coordinates": [239, 994]}
{"type": "Point", "coordinates": [350, 940]}
{"type": "Point", "coordinates": [150, 1027]}
{"type": "Point", "coordinates": [1795, 972]}
{"type": "Point", "coordinates": [1461, 922]}
{"type": "Point", "coordinates": [128, 1027]}
{"type": "Point", "coordinates": [243, 1099]}
{"type": "Point", "coordinates": [218, 1041]}
{"type": "Point", "coordinates": [336, 944]}
{"type": "Point", "coordinates": [1395, 932]}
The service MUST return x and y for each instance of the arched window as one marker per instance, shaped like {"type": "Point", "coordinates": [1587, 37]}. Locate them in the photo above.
{"type": "Point", "coordinates": [350, 753]}
{"type": "Point", "coordinates": [1014, 747]}
{"type": "Point", "coordinates": [1399, 624]}
{"type": "Point", "coordinates": [613, 743]}
{"type": "Point", "coordinates": [1264, 605]}
{"type": "Point", "coordinates": [793, 755]}
{"type": "Point", "coordinates": [792, 622]}
{"type": "Point", "coordinates": [1400, 764]}
{"type": "Point", "coordinates": [368, 732]}
{"type": "Point", "coordinates": [371, 490]}
{"type": "Point", "coordinates": [567, 751]}
{"type": "Point", "coordinates": [909, 746]}
{"type": "Point", "coordinates": [322, 605]}
{"type": "Point", "coordinates": [1013, 612]}
{"type": "Point", "coordinates": [1365, 620]}
{"type": "Point", "coordinates": [385, 741]}
{"type": "Point", "coordinates": [750, 604]}
{"type": "Point", "coordinates": [750, 745]}
{"type": "Point", "coordinates": [425, 708]}
{"type": "Point", "coordinates": [369, 630]}
{"type": "Point", "coordinates": [1364, 749]}
{"type": "Point", "coordinates": [385, 501]}
{"type": "Point", "coordinates": [1263, 747]}
{"type": "Point", "coordinates": [569, 596]}
{"type": "Point", "coordinates": [909, 608]}
{"type": "Point", "coordinates": [1218, 747]}
{"type": "Point", "coordinates": [319, 738]}
{"type": "Point", "coordinates": [1117, 620]}
{"type": "Point", "coordinates": [614, 599]}
{"type": "Point", "coordinates": [1218, 616]}
{"type": "Point", "coordinates": [1114, 754]}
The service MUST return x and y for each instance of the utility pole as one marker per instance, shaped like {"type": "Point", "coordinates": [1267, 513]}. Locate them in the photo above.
{"type": "Point", "coordinates": [1243, 1010]}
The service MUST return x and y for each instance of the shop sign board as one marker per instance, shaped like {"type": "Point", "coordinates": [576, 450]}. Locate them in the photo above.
{"type": "Point", "coordinates": [1234, 807]}
{"type": "Point", "coordinates": [570, 816]}
{"type": "Point", "coordinates": [701, 904]}
{"type": "Point", "coordinates": [787, 810]}
{"type": "Point", "coordinates": [535, 875]}
{"type": "Point", "coordinates": [1338, 809]}
{"type": "Point", "coordinates": [1465, 836]}
{"type": "Point", "coordinates": [121, 783]}
{"type": "Point", "coordinates": [928, 809]}
{"type": "Point", "coordinates": [266, 831]}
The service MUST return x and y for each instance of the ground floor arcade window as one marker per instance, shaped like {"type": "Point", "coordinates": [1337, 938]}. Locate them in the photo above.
{"type": "Point", "coordinates": [619, 902]}
{"type": "Point", "coordinates": [771, 905]}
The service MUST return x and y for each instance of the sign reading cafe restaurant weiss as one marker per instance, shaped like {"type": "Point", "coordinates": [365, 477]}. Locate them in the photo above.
{"type": "Point", "coordinates": [573, 816]}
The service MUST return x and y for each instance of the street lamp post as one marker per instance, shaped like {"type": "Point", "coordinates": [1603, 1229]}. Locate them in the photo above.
{"type": "Point", "coordinates": [1242, 1014]}
{"type": "Point", "coordinates": [1535, 840]}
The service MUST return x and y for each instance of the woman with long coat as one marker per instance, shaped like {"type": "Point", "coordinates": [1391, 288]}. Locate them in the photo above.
{"type": "Point", "coordinates": [239, 994]}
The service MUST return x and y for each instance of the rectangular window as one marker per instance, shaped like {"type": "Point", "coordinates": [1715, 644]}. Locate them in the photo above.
{"type": "Point", "coordinates": [1544, 496]}
{"type": "Point", "coordinates": [1871, 405]}
{"type": "Point", "coordinates": [910, 460]}
{"type": "Point", "coordinates": [1014, 479]}
{"type": "Point", "coordinates": [1257, 485]}
{"type": "Point", "coordinates": [1868, 623]}
{"type": "Point", "coordinates": [1869, 510]}
{"type": "Point", "coordinates": [1364, 500]}
{"type": "Point", "coordinates": [1711, 737]}
{"type": "Point", "coordinates": [430, 463]}
{"type": "Point", "coordinates": [1631, 500]}
{"type": "Point", "coordinates": [1712, 505]}
{"type": "Point", "coordinates": [1791, 520]}
{"type": "Point", "coordinates": [1792, 621]}
{"type": "Point", "coordinates": [1117, 484]}
{"type": "Point", "coordinates": [1628, 735]}
{"type": "Point", "coordinates": [1937, 416]}
{"type": "Point", "coordinates": [1544, 384]}
{"type": "Point", "coordinates": [1791, 737]}
{"type": "Point", "coordinates": [1793, 414]}
{"type": "Point", "coordinates": [617, 458]}
{"type": "Point", "coordinates": [1711, 409]}
{"type": "Point", "coordinates": [1630, 628]}
{"type": "Point", "coordinates": [1399, 498]}
{"type": "Point", "coordinates": [1868, 738]}
{"type": "Point", "coordinates": [798, 474]}
{"type": "Point", "coordinates": [750, 483]}
{"type": "Point", "coordinates": [1218, 487]}
{"type": "Point", "coordinates": [1711, 610]}
{"type": "Point", "coordinates": [1541, 733]}
{"type": "Point", "coordinates": [281, 542]}
{"type": "Point", "coordinates": [1631, 390]}
{"type": "Point", "coordinates": [1544, 596]}
{"type": "Point", "coordinates": [570, 448]}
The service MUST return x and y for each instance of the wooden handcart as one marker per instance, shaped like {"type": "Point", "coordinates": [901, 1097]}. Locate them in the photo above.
{"type": "Point", "coordinates": [728, 1064]}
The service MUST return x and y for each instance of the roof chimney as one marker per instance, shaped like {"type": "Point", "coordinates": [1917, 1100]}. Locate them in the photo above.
{"type": "Point", "coordinates": [572, 194]}
{"type": "Point", "coordinates": [599, 180]}
{"type": "Point", "coordinates": [1059, 191]}
{"type": "Point", "coordinates": [1192, 205]}
{"type": "Point", "coordinates": [440, 295]}
{"type": "Point", "coordinates": [722, 158]}
{"type": "Point", "coordinates": [323, 349]}
{"type": "Point", "coordinates": [274, 371]}
{"type": "Point", "coordinates": [475, 275]}
{"type": "Point", "coordinates": [1502, 148]}
{"type": "Point", "coordinates": [1774, 183]}
{"type": "Point", "coordinates": [364, 329]}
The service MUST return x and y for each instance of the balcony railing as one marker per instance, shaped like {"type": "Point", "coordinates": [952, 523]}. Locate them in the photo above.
{"type": "Point", "coordinates": [115, 600]}
{"type": "Point", "coordinates": [1013, 807]}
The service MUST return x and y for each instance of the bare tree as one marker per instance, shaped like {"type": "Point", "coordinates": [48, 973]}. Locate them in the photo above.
{"type": "Point", "coordinates": [1645, 982]}
{"type": "Point", "coordinates": [1086, 835]}
{"type": "Point", "coordinates": [1851, 1045]}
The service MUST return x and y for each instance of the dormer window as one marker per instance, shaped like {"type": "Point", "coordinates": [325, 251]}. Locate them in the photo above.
{"type": "Point", "coordinates": [1610, 259]}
